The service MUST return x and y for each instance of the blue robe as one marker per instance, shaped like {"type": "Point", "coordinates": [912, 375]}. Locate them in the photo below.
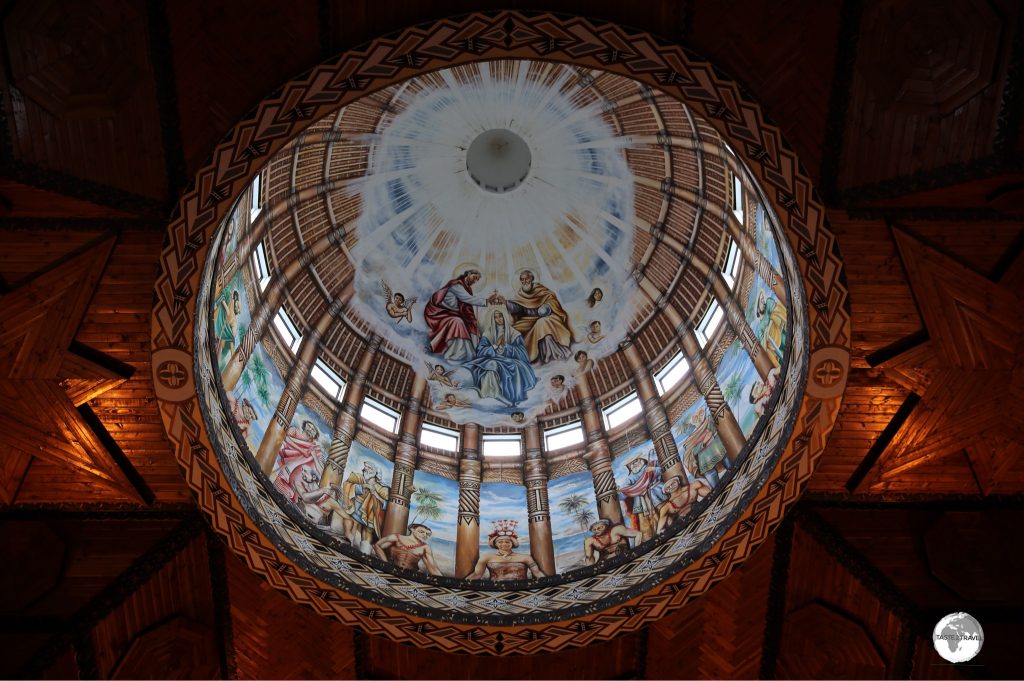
{"type": "Point", "coordinates": [515, 376]}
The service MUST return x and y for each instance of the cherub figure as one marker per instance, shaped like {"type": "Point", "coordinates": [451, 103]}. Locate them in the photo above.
{"type": "Point", "coordinates": [438, 374]}
{"type": "Point", "coordinates": [450, 401]}
{"type": "Point", "coordinates": [397, 306]}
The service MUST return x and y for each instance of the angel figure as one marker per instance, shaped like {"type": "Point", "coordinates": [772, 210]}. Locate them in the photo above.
{"type": "Point", "coordinates": [437, 373]}
{"type": "Point", "coordinates": [397, 307]}
{"type": "Point", "coordinates": [450, 401]}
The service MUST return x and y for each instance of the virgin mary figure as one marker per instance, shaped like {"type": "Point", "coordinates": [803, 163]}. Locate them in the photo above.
{"type": "Point", "coordinates": [501, 368]}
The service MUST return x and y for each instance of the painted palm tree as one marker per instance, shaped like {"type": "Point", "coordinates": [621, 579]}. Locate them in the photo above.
{"type": "Point", "coordinates": [427, 504]}
{"type": "Point", "coordinates": [584, 517]}
{"type": "Point", "coordinates": [731, 392]}
{"type": "Point", "coordinates": [575, 505]}
{"type": "Point", "coordinates": [259, 378]}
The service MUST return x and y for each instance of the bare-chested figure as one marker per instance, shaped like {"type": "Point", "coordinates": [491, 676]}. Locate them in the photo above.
{"type": "Point", "coordinates": [680, 499]}
{"type": "Point", "coordinates": [607, 540]}
{"type": "Point", "coordinates": [505, 564]}
{"type": "Point", "coordinates": [320, 504]}
{"type": "Point", "coordinates": [407, 551]}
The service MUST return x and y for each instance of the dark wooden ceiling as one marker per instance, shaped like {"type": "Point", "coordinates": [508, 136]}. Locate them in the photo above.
{"type": "Point", "coordinates": [907, 112]}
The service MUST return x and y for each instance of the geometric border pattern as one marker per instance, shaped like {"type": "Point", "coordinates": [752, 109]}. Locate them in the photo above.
{"type": "Point", "coordinates": [773, 485]}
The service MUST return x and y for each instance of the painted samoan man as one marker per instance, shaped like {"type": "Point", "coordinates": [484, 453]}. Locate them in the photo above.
{"type": "Point", "coordinates": [365, 496]}
{"type": "Point", "coordinates": [540, 319]}
{"type": "Point", "coordinates": [505, 564]}
{"type": "Point", "coordinates": [640, 494]}
{"type": "Point", "coordinates": [299, 451]}
{"type": "Point", "coordinates": [407, 551]}
{"type": "Point", "coordinates": [607, 540]}
{"type": "Point", "coordinates": [680, 499]}
{"type": "Point", "coordinates": [320, 504]}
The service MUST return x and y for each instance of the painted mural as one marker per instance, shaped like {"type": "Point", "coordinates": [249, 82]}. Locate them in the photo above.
{"type": "Point", "coordinates": [738, 379]}
{"type": "Point", "coordinates": [573, 511]}
{"type": "Point", "coordinates": [700, 447]}
{"type": "Point", "coordinates": [231, 318]}
{"type": "Point", "coordinates": [638, 477]}
{"type": "Point", "coordinates": [505, 535]}
{"type": "Point", "coordinates": [765, 240]}
{"type": "Point", "coordinates": [496, 295]}
{"type": "Point", "coordinates": [364, 496]}
{"type": "Point", "coordinates": [254, 398]}
{"type": "Point", "coordinates": [767, 316]}
{"type": "Point", "coordinates": [432, 506]}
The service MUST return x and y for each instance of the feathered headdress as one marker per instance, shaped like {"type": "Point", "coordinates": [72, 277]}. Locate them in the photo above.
{"type": "Point", "coordinates": [504, 528]}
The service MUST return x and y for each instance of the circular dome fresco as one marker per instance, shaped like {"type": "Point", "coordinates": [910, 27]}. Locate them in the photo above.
{"type": "Point", "coordinates": [494, 336]}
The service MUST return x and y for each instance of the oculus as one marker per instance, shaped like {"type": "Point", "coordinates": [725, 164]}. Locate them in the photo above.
{"type": "Point", "coordinates": [504, 338]}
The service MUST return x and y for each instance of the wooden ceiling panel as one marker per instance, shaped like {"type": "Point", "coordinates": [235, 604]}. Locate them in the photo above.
{"type": "Point", "coordinates": [720, 635]}
{"type": "Point", "coordinates": [218, 72]}
{"type": "Point", "coordinates": [357, 21]}
{"type": "Point", "coordinates": [785, 52]}
{"type": "Point", "coordinates": [275, 638]}
{"type": "Point", "coordinates": [82, 93]}
{"type": "Point", "coordinates": [882, 305]}
{"type": "Point", "coordinates": [616, 659]}
{"type": "Point", "coordinates": [826, 606]}
{"type": "Point", "coordinates": [927, 86]}
{"type": "Point", "coordinates": [166, 628]}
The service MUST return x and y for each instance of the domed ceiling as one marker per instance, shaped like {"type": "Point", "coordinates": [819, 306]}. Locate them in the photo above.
{"type": "Point", "coordinates": [503, 341]}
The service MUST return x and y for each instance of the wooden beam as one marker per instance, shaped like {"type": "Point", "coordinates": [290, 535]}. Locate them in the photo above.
{"type": "Point", "coordinates": [923, 502]}
{"type": "Point", "coordinates": [839, 99]}
{"type": "Point", "coordinates": [116, 593]}
{"type": "Point", "coordinates": [776, 611]}
{"type": "Point", "coordinates": [222, 620]}
{"type": "Point", "coordinates": [1011, 111]}
{"type": "Point", "coordinates": [162, 58]}
{"type": "Point", "coordinates": [879, 446]}
{"type": "Point", "coordinates": [100, 511]}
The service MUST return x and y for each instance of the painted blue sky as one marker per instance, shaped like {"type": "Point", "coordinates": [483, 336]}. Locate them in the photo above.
{"type": "Point", "coordinates": [501, 501]}
{"type": "Point", "coordinates": [444, 528]}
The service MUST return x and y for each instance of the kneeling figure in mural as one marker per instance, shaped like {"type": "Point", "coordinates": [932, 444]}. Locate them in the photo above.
{"type": "Point", "coordinates": [608, 540]}
{"type": "Point", "coordinates": [407, 551]}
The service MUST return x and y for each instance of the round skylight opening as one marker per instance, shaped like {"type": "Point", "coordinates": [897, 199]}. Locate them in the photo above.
{"type": "Point", "coordinates": [498, 160]}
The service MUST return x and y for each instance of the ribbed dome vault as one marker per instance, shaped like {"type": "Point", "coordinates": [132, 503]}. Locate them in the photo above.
{"type": "Point", "coordinates": [510, 339]}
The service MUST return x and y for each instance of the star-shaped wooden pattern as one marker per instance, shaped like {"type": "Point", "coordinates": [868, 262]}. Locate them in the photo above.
{"type": "Point", "coordinates": [968, 373]}
{"type": "Point", "coordinates": [46, 377]}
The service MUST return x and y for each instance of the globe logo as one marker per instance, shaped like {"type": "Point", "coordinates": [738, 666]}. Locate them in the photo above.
{"type": "Point", "coordinates": [958, 637]}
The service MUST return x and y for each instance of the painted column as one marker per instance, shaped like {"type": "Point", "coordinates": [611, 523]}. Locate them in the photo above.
{"type": "Point", "coordinates": [346, 423]}
{"type": "Point", "coordinates": [658, 426]}
{"type": "Point", "coordinates": [535, 474]}
{"type": "Point", "coordinates": [295, 385]}
{"type": "Point", "coordinates": [745, 243]}
{"type": "Point", "coordinates": [271, 303]}
{"type": "Point", "coordinates": [762, 360]}
{"type": "Point", "coordinates": [725, 422]}
{"type": "Point", "coordinates": [597, 455]}
{"type": "Point", "coordinates": [406, 453]}
{"type": "Point", "coordinates": [467, 530]}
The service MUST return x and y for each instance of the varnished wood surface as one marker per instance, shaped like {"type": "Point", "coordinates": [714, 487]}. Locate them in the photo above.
{"type": "Point", "coordinates": [78, 168]}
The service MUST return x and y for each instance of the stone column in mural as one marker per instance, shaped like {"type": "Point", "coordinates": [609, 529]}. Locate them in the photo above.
{"type": "Point", "coordinates": [467, 537]}
{"type": "Point", "coordinates": [348, 417]}
{"type": "Point", "coordinates": [269, 305]}
{"type": "Point", "coordinates": [725, 422]}
{"type": "Point", "coordinates": [738, 321]}
{"type": "Point", "coordinates": [597, 455]}
{"type": "Point", "coordinates": [743, 239]}
{"type": "Point", "coordinates": [658, 426]}
{"type": "Point", "coordinates": [535, 474]}
{"type": "Point", "coordinates": [295, 386]}
{"type": "Point", "coordinates": [724, 295]}
{"type": "Point", "coordinates": [406, 453]}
